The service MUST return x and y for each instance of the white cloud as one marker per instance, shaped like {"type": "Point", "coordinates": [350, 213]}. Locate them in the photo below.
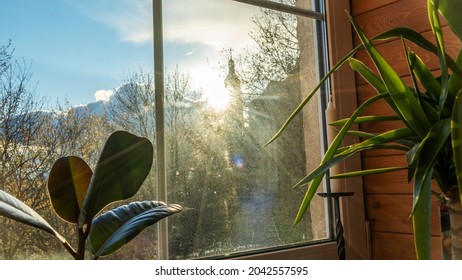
{"type": "Point", "coordinates": [131, 19]}
{"type": "Point", "coordinates": [217, 23]}
{"type": "Point", "coordinates": [103, 95]}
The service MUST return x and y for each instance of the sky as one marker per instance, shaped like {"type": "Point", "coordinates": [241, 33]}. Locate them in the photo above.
{"type": "Point", "coordinates": [80, 51]}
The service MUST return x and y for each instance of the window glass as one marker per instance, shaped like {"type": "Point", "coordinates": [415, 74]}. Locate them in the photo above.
{"type": "Point", "coordinates": [234, 73]}
{"type": "Point", "coordinates": [72, 72]}
{"type": "Point", "coordinates": [66, 68]}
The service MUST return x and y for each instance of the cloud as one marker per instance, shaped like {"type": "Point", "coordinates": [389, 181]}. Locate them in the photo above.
{"type": "Point", "coordinates": [103, 95]}
{"type": "Point", "coordinates": [131, 19]}
{"type": "Point", "coordinates": [207, 22]}
{"type": "Point", "coordinates": [217, 23]}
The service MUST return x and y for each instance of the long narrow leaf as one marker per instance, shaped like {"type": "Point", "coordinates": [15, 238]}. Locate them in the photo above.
{"type": "Point", "coordinates": [450, 9]}
{"type": "Point", "coordinates": [456, 138]}
{"type": "Point", "coordinates": [330, 153]}
{"type": "Point", "coordinates": [425, 77]}
{"type": "Point", "coordinates": [399, 32]}
{"type": "Point", "coordinates": [367, 172]}
{"type": "Point", "coordinates": [366, 119]}
{"type": "Point", "coordinates": [14, 209]}
{"type": "Point", "coordinates": [421, 220]}
{"type": "Point", "coordinates": [436, 27]}
{"type": "Point", "coordinates": [427, 153]}
{"type": "Point", "coordinates": [402, 96]}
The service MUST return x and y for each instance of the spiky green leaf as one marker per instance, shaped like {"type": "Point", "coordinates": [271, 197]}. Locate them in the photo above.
{"type": "Point", "coordinates": [403, 98]}
{"type": "Point", "coordinates": [456, 138]}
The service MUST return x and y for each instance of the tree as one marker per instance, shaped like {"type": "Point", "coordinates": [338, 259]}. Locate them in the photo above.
{"type": "Point", "coordinates": [277, 50]}
{"type": "Point", "coordinates": [21, 155]}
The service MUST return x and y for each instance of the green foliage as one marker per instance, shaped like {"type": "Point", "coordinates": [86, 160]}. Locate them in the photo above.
{"type": "Point", "coordinates": [78, 195]}
{"type": "Point", "coordinates": [430, 111]}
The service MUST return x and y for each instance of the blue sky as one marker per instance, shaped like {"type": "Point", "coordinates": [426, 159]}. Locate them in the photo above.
{"type": "Point", "coordinates": [80, 47]}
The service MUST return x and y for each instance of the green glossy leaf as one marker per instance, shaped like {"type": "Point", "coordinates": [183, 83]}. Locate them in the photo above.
{"type": "Point", "coordinates": [402, 96]}
{"type": "Point", "coordinates": [425, 76]}
{"type": "Point", "coordinates": [370, 77]}
{"type": "Point", "coordinates": [67, 185]}
{"type": "Point", "coordinates": [366, 119]}
{"type": "Point", "coordinates": [456, 139]}
{"type": "Point", "coordinates": [438, 32]}
{"type": "Point", "coordinates": [367, 172]}
{"type": "Point", "coordinates": [14, 209]}
{"type": "Point", "coordinates": [450, 9]}
{"type": "Point", "coordinates": [399, 32]}
{"type": "Point", "coordinates": [455, 82]}
{"type": "Point", "coordinates": [123, 166]}
{"type": "Point", "coordinates": [114, 229]}
{"type": "Point", "coordinates": [427, 153]}
{"type": "Point", "coordinates": [421, 221]}
{"type": "Point", "coordinates": [328, 157]}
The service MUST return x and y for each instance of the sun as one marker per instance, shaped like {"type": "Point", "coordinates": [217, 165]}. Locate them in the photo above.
{"type": "Point", "coordinates": [218, 98]}
{"type": "Point", "coordinates": [215, 93]}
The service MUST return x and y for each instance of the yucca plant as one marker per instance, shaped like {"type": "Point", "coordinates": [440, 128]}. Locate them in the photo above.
{"type": "Point", "coordinates": [78, 196]}
{"type": "Point", "coordinates": [430, 111]}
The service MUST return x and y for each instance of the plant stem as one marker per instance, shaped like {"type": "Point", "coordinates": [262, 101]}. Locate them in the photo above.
{"type": "Point", "coordinates": [70, 249]}
{"type": "Point", "coordinates": [81, 249]}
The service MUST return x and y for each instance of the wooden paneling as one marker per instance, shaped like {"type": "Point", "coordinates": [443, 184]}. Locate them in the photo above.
{"type": "Point", "coordinates": [394, 246]}
{"type": "Point", "coordinates": [388, 183]}
{"type": "Point", "coordinates": [391, 213]}
{"type": "Point", "coordinates": [362, 6]}
{"type": "Point", "coordinates": [409, 13]}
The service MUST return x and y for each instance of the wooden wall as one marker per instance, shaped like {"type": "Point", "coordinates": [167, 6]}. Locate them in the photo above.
{"type": "Point", "coordinates": [388, 198]}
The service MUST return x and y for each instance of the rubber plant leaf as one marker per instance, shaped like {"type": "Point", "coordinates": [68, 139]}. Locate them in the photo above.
{"type": "Point", "coordinates": [14, 209]}
{"type": "Point", "coordinates": [114, 229]}
{"type": "Point", "coordinates": [67, 185]}
{"type": "Point", "coordinates": [124, 164]}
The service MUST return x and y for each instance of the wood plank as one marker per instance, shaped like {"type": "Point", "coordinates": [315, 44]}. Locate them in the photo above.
{"type": "Point", "coordinates": [410, 13]}
{"type": "Point", "coordinates": [388, 183]}
{"type": "Point", "coordinates": [362, 6]}
{"type": "Point", "coordinates": [391, 213]}
{"type": "Point", "coordinates": [393, 246]}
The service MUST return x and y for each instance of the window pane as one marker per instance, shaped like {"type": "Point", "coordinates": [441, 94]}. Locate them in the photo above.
{"type": "Point", "coordinates": [82, 59]}
{"type": "Point", "coordinates": [234, 74]}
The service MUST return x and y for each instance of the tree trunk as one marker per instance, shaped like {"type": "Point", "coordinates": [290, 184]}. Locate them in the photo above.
{"type": "Point", "coordinates": [455, 214]}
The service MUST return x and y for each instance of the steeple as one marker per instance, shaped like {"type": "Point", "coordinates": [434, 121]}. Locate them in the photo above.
{"type": "Point", "coordinates": [232, 81]}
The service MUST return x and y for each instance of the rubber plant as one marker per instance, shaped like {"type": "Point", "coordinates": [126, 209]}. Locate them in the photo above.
{"type": "Point", "coordinates": [78, 196]}
{"type": "Point", "coordinates": [430, 111]}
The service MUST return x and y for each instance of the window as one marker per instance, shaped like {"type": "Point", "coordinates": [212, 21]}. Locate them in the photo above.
{"type": "Point", "coordinates": [231, 71]}
{"type": "Point", "coordinates": [234, 72]}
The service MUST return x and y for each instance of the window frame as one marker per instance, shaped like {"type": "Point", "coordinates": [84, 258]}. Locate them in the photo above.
{"type": "Point", "coordinates": [337, 29]}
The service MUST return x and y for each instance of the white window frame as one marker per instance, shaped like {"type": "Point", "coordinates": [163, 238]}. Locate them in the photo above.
{"type": "Point", "coordinates": [338, 32]}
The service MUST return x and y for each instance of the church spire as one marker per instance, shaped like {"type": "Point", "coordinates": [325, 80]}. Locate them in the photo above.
{"type": "Point", "coordinates": [232, 81]}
